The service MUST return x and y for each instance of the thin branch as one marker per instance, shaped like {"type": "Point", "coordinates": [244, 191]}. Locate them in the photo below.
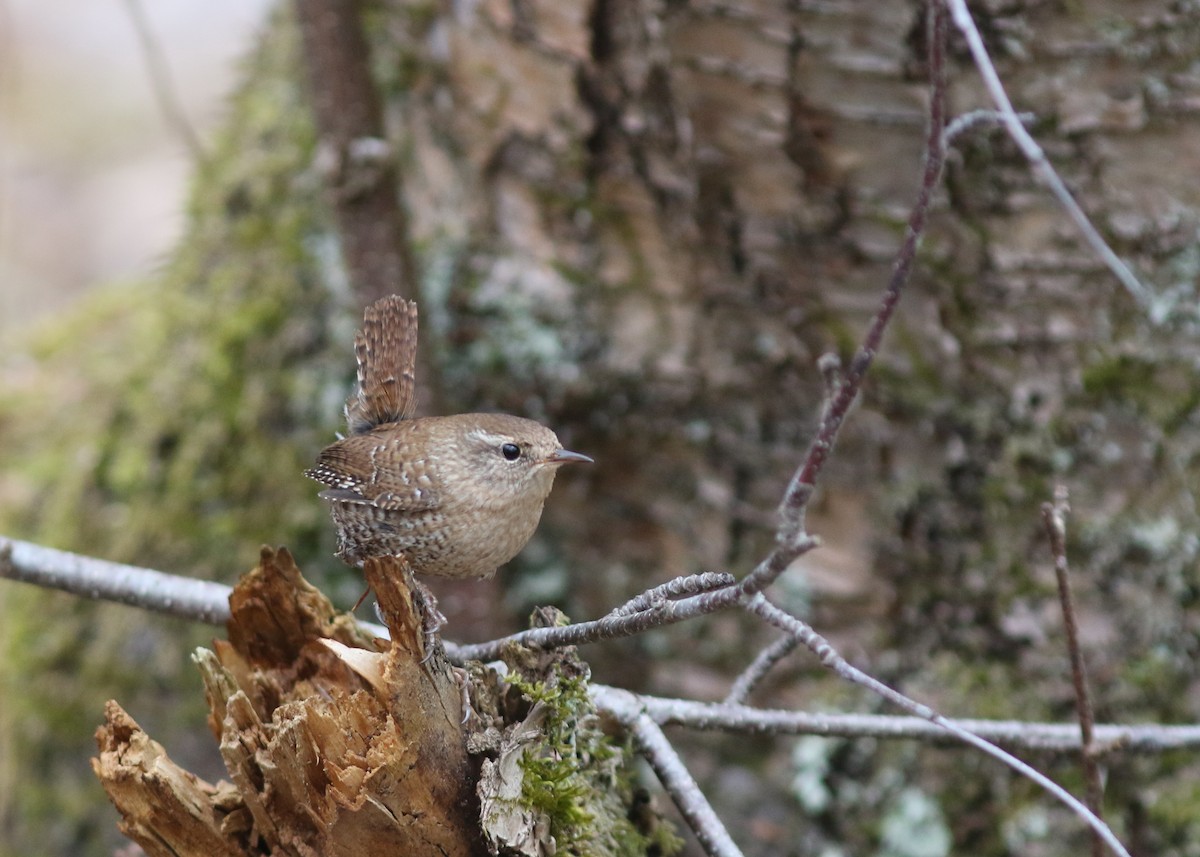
{"type": "Point", "coordinates": [830, 658]}
{"type": "Point", "coordinates": [759, 667]}
{"type": "Point", "coordinates": [977, 119]}
{"type": "Point", "coordinates": [671, 771]}
{"type": "Point", "coordinates": [1044, 737]}
{"type": "Point", "coordinates": [693, 584]}
{"type": "Point", "coordinates": [803, 484]}
{"type": "Point", "coordinates": [184, 597]}
{"type": "Point", "coordinates": [205, 601]}
{"type": "Point", "coordinates": [657, 612]}
{"type": "Point", "coordinates": [161, 81]}
{"type": "Point", "coordinates": [1054, 516]}
{"type": "Point", "coordinates": [610, 627]}
{"type": "Point", "coordinates": [1036, 157]}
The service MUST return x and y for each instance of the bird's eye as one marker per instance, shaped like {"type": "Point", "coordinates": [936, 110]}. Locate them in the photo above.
{"type": "Point", "coordinates": [511, 451]}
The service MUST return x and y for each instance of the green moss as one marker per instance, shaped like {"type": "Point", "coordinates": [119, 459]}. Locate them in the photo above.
{"type": "Point", "coordinates": [581, 779]}
{"type": "Point", "coordinates": [554, 776]}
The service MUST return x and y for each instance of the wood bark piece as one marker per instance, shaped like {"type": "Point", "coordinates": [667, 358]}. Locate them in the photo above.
{"type": "Point", "coordinates": [333, 748]}
{"type": "Point", "coordinates": [163, 807]}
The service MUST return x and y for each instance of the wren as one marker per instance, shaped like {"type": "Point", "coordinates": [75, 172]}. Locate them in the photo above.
{"type": "Point", "coordinates": [457, 496]}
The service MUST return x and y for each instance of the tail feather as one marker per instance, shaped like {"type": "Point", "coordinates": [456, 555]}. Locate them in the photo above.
{"type": "Point", "coordinates": [386, 351]}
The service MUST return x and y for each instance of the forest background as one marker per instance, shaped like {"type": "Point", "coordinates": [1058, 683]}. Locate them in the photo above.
{"type": "Point", "coordinates": [643, 223]}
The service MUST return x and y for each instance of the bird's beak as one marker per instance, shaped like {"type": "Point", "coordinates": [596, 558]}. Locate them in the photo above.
{"type": "Point", "coordinates": [564, 456]}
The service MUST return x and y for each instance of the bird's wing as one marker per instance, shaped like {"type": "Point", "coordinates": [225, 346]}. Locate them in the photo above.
{"type": "Point", "coordinates": [351, 470]}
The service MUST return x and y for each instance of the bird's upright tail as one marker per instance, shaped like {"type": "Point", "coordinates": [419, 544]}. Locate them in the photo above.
{"type": "Point", "coordinates": [386, 351]}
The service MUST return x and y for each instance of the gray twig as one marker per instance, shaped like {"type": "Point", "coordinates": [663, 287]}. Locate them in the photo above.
{"type": "Point", "coordinates": [1054, 516]}
{"type": "Point", "coordinates": [185, 597]}
{"type": "Point", "coordinates": [1036, 157]}
{"type": "Point", "coordinates": [206, 601]}
{"type": "Point", "coordinates": [693, 584]}
{"type": "Point", "coordinates": [829, 657]}
{"type": "Point", "coordinates": [657, 613]}
{"type": "Point", "coordinates": [1043, 737]}
{"type": "Point", "coordinates": [759, 667]}
{"type": "Point", "coordinates": [672, 773]}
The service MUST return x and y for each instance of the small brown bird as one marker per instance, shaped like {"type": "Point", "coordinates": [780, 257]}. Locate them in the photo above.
{"type": "Point", "coordinates": [458, 496]}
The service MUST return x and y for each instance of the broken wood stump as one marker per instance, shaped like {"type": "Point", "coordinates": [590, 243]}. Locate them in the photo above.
{"type": "Point", "coordinates": [338, 743]}
{"type": "Point", "coordinates": [326, 758]}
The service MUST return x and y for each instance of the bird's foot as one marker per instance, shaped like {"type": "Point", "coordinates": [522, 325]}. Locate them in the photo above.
{"type": "Point", "coordinates": [432, 618]}
{"type": "Point", "coordinates": [464, 685]}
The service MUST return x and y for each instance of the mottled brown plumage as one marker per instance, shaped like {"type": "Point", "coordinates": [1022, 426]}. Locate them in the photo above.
{"type": "Point", "coordinates": [386, 351]}
{"type": "Point", "coordinates": [458, 496]}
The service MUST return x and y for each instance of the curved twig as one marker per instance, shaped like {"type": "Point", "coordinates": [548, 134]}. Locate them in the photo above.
{"type": "Point", "coordinates": [1037, 158]}
{"type": "Point", "coordinates": [672, 773]}
{"type": "Point", "coordinates": [830, 658]}
{"type": "Point", "coordinates": [759, 667]}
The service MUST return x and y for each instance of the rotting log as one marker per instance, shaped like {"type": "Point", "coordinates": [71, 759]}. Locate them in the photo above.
{"type": "Point", "coordinates": [338, 743]}
{"type": "Point", "coordinates": [325, 758]}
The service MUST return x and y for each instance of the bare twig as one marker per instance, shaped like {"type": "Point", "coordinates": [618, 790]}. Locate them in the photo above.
{"type": "Point", "coordinates": [205, 601]}
{"type": "Point", "coordinates": [1046, 737]}
{"type": "Point", "coordinates": [830, 658]}
{"type": "Point", "coordinates": [161, 81]}
{"type": "Point", "coordinates": [803, 484]}
{"type": "Point", "coordinates": [1054, 516]}
{"type": "Point", "coordinates": [693, 584]}
{"type": "Point", "coordinates": [1036, 157]}
{"type": "Point", "coordinates": [977, 119]}
{"type": "Point", "coordinates": [657, 614]}
{"type": "Point", "coordinates": [672, 773]}
{"type": "Point", "coordinates": [200, 600]}
{"type": "Point", "coordinates": [759, 667]}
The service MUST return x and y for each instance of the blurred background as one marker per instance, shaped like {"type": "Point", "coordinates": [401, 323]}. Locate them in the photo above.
{"type": "Point", "coordinates": [641, 223]}
{"type": "Point", "coordinates": [93, 176]}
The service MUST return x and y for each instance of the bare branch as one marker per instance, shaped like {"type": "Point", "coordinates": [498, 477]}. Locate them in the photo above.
{"type": "Point", "coordinates": [161, 81]}
{"type": "Point", "coordinates": [610, 627]}
{"type": "Point", "coordinates": [1054, 516]}
{"type": "Point", "coordinates": [200, 600]}
{"type": "Point", "coordinates": [1046, 737]}
{"type": "Point", "coordinates": [977, 119]}
{"type": "Point", "coordinates": [206, 601]}
{"type": "Point", "coordinates": [657, 612]}
{"type": "Point", "coordinates": [693, 584]}
{"type": "Point", "coordinates": [829, 657]}
{"type": "Point", "coordinates": [803, 483]}
{"type": "Point", "coordinates": [1036, 157]}
{"type": "Point", "coordinates": [672, 773]}
{"type": "Point", "coordinates": [759, 667]}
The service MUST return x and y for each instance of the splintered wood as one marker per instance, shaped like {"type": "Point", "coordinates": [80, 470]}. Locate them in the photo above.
{"type": "Point", "coordinates": [337, 744]}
